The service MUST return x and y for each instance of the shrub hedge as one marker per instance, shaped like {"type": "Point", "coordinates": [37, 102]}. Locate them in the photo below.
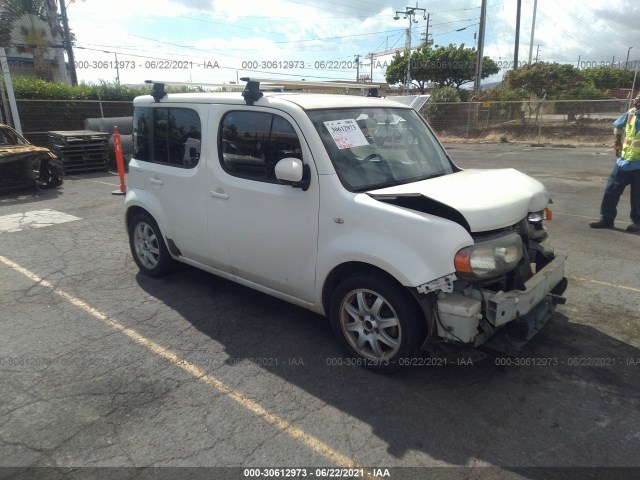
{"type": "Point", "coordinates": [29, 88]}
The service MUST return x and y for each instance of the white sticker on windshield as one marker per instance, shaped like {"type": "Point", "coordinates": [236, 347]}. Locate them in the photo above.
{"type": "Point", "coordinates": [346, 133]}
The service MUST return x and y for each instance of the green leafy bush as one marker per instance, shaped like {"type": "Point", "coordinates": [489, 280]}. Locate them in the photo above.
{"type": "Point", "coordinates": [29, 88]}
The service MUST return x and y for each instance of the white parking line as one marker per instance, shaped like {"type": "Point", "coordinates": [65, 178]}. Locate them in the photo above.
{"type": "Point", "coordinates": [271, 418]}
{"type": "Point", "coordinates": [17, 222]}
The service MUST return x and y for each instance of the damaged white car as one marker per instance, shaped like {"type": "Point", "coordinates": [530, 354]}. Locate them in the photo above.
{"type": "Point", "coordinates": [348, 206]}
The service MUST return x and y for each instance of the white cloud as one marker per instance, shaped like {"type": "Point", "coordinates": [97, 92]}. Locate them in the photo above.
{"type": "Point", "coordinates": [231, 32]}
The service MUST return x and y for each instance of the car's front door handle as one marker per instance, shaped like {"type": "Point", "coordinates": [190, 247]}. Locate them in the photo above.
{"type": "Point", "coordinates": [221, 195]}
{"type": "Point", "coordinates": [156, 181]}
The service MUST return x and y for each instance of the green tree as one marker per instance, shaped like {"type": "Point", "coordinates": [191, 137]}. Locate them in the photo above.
{"type": "Point", "coordinates": [397, 69]}
{"type": "Point", "coordinates": [607, 78]}
{"type": "Point", "coordinates": [557, 81]}
{"type": "Point", "coordinates": [450, 66]}
{"type": "Point", "coordinates": [437, 110]}
{"type": "Point", "coordinates": [11, 10]}
{"type": "Point", "coordinates": [453, 66]}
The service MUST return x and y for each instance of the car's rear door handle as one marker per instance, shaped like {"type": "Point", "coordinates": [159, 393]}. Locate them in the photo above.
{"type": "Point", "coordinates": [156, 181]}
{"type": "Point", "coordinates": [221, 195]}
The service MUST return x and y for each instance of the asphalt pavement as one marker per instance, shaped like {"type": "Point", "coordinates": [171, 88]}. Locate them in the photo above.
{"type": "Point", "coordinates": [103, 367]}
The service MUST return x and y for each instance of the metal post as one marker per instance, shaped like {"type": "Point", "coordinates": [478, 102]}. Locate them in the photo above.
{"type": "Point", "coordinates": [533, 30]}
{"type": "Point", "coordinates": [12, 97]}
{"type": "Point", "coordinates": [480, 55]}
{"type": "Point", "coordinates": [517, 45]}
{"type": "Point", "coordinates": [468, 121]}
{"type": "Point", "coordinates": [117, 69]}
{"type": "Point", "coordinates": [371, 55]}
{"type": "Point", "coordinates": [426, 33]}
{"type": "Point", "coordinates": [67, 41]}
{"type": "Point", "coordinates": [408, 48]}
{"type": "Point", "coordinates": [540, 117]}
{"type": "Point", "coordinates": [633, 86]}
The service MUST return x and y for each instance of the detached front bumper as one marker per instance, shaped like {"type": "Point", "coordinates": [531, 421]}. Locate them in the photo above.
{"type": "Point", "coordinates": [526, 311]}
{"type": "Point", "coordinates": [507, 306]}
{"type": "Point", "coordinates": [509, 319]}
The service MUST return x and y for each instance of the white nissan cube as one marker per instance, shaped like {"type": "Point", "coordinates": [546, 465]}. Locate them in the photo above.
{"type": "Point", "coordinates": [345, 205]}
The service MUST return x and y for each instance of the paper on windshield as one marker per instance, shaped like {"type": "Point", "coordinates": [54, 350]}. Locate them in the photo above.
{"type": "Point", "coordinates": [346, 133]}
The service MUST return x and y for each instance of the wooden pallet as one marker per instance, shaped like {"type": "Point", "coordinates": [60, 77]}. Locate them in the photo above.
{"type": "Point", "coordinates": [80, 151]}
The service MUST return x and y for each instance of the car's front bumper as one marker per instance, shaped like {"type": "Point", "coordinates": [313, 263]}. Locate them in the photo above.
{"type": "Point", "coordinates": [504, 307]}
{"type": "Point", "coordinates": [474, 315]}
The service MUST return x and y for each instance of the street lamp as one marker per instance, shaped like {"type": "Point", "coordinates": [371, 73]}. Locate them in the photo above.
{"type": "Point", "coordinates": [626, 64]}
{"type": "Point", "coordinates": [410, 13]}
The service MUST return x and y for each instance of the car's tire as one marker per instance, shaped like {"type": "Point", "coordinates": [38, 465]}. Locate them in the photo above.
{"type": "Point", "coordinates": [377, 321]}
{"type": "Point", "coordinates": [147, 246]}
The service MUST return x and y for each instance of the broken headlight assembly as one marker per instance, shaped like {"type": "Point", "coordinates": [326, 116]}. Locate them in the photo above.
{"type": "Point", "coordinates": [489, 258]}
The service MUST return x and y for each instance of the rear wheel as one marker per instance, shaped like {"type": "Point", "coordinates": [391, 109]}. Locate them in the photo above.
{"type": "Point", "coordinates": [377, 321]}
{"type": "Point", "coordinates": [147, 246]}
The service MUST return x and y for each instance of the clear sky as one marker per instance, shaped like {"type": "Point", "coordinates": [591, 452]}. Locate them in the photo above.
{"type": "Point", "coordinates": [221, 40]}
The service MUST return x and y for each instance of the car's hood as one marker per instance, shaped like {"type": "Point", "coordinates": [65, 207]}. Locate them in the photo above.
{"type": "Point", "coordinates": [483, 199]}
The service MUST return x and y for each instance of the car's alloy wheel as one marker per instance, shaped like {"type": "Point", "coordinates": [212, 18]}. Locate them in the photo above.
{"type": "Point", "coordinates": [147, 246]}
{"type": "Point", "coordinates": [377, 321]}
{"type": "Point", "coordinates": [370, 324]}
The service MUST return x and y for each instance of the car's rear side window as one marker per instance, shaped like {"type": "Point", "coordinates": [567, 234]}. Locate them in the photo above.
{"type": "Point", "coordinates": [251, 143]}
{"type": "Point", "coordinates": [141, 133]}
{"type": "Point", "coordinates": [170, 136]}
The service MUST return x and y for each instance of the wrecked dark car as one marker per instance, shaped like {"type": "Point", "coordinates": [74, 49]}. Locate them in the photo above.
{"type": "Point", "coordinates": [23, 165]}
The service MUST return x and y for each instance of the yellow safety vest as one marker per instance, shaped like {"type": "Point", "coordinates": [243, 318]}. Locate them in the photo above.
{"type": "Point", "coordinates": [631, 146]}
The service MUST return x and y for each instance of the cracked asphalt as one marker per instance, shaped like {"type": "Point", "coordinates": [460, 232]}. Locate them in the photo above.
{"type": "Point", "coordinates": [103, 367]}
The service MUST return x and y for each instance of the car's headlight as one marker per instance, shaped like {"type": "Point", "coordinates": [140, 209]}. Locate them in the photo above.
{"type": "Point", "coordinates": [490, 258]}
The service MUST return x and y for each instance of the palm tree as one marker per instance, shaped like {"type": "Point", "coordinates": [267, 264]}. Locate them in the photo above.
{"type": "Point", "coordinates": [31, 34]}
{"type": "Point", "coordinates": [32, 26]}
{"type": "Point", "coordinates": [11, 10]}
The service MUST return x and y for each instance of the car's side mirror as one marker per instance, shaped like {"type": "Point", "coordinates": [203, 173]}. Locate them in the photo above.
{"type": "Point", "coordinates": [292, 171]}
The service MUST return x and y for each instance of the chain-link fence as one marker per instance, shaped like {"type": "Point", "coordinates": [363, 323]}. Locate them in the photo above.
{"type": "Point", "coordinates": [583, 121]}
{"type": "Point", "coordinates": [38, 117]}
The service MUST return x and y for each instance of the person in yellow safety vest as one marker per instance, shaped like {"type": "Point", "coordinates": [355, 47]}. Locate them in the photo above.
{"type": "Point", "coordinates": [626, 171]}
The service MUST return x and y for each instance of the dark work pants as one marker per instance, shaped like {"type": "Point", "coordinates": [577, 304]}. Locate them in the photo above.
{"type": "Point", "coordinates": [618, 180]}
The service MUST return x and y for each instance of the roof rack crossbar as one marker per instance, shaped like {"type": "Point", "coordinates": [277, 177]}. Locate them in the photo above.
{"type": "Point", "coordinates": [302, 83]}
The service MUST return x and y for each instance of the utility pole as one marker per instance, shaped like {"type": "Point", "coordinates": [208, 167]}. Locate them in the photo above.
{"type": "Point", "coordinates": [537, 52]}
{"type": "Point", "coordinates": [67, 41]}
{"type": "Point", "coordinates": [517, 45]}
{"type": "Point", "coordinates": [410, 13]}
{"type": "Point", "coordinates": [357, 68]}
{"type": "Point", "coordinates": [371, 56]}
{"type": "Point", "coordinates": [533, 29]}
{"type": "Point", "coordinates": [427, 42]}
{"type": "Point", "coordinates": [626, 64]}
{"type": "Point", "coordinates": [4, 66]}
{"type": "Point", "coordinates": [117, 69]}
{"type": "Point", "coordinates": [480, 56]}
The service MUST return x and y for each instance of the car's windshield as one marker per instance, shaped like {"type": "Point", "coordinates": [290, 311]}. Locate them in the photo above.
{"type": "Point", "coordinates": [378, 147]}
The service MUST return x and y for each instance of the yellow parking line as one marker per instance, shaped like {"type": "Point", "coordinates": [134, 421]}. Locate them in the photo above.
{"type": "Point", "coordinates": [597, 282]}
{"type": "Point", "coordinates": [285, 426]}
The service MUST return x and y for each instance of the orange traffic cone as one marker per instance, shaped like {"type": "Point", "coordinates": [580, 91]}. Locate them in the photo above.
{"type": "Point", "coordinates": [119, 162]}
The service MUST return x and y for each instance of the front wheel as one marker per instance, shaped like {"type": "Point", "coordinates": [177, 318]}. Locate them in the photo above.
{"type": "Point", "coordinates": [147, 246]}
{"type": "Point", "coordinates": [377, 321]}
